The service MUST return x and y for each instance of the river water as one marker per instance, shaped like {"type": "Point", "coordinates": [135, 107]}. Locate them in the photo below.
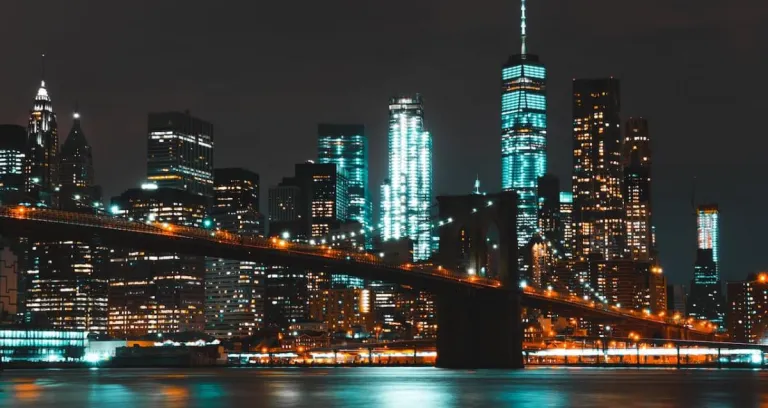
{"type": "Point", "coordinates": [382, 387]}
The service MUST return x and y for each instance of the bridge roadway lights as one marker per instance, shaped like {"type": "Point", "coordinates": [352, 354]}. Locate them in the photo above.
{"type": "Point", "coordinates": [479, 328]}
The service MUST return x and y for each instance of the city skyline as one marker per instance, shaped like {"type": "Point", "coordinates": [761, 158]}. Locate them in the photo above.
{"type": "Point", "coordinates": [672, 213]}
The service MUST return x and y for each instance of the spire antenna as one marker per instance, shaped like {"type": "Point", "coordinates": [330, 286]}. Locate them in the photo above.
{"type": "Point", "coordinates": [42, 67]}
{"type": "Point", "coordinates": [523, 31]}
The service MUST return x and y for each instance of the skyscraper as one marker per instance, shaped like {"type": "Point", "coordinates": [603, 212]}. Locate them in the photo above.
{"type": "Point", "coordinates": [78, 186]}
{"type": "Point", "coordinates": [13, 142]}
{"type": "Point", "coordinates": [42, 157]}
{"type": "Point", "coordinates": [234, 290]}
{"type": "Point", "coordinates": [706, 298]}
{"type": "Point", "coordinates": [66, 280]}
{"type": "Point", "coordinates": [311, 203]}
{"type": "Point", "coordinates": [566, 222]}
{"type": "Point", "coordinates": [180, 152]}
{"type": "Point", "coordinates": [598, 207]}
{"type": "Point", "coordinates": [347, 147]}
{"type": "Point", "coordinates": [523, 131]}
{"type": "Point", "coordinates": [708, 231]}
{"type": "Point", "coordinates": [636, 159]}
{"type": "Point", "coordinates": [406, 202]}
{"type": "Point", "coordinates": [548, 191]}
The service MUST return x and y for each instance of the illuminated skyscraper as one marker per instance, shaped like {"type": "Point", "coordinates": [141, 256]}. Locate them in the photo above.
{"type": "Point", "coordinates": [13, 142]}
{"type": "Point", "coordinates": [706, 298]}
{"type": "Point", "coordinates": [636, 158]}
{"type": "Point", "coordinates": [180, 152]}
{"type": "Point", "coordinates": [66, 280]}
{"type": "Point", "coordinates": [42, 158]}
{"type": "Point", "coordinates": [566, 222]}
{"type": "Point", "coordinates": [708, 231]}
{"type": "Point", "coordinates": [406, 196]}
{"type": "Point", "coordinates": [347, 147]}
{"type": "Point", "coordinates": [523, 132]}
{"type": "Point", "coordinates": [598, 207]}
{"type": "Point", "coordinates": [234, 290]}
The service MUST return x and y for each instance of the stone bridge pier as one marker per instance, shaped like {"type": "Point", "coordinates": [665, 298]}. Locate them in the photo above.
{"type": "Point", "coordinates": [480, 328]}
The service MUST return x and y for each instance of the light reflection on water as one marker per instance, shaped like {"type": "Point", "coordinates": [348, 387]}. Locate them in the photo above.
{"type": "Point", "coordinates": [383, 387]}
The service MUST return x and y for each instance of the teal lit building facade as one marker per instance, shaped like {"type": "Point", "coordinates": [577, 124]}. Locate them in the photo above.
{"type": "Point", "coordinates": [524, 132]}
{"type": "Point", "coordinates": [347, 147]}
{"type": "Point", "coordinates": [42, 345]}
{"type": "Point", "coordinates": [706, 300]}
{"type": "Point", "coordinates": [407, 193]}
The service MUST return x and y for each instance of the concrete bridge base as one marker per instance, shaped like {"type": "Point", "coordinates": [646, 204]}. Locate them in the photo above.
{"type": "Point", "coordinates": [479, 328]}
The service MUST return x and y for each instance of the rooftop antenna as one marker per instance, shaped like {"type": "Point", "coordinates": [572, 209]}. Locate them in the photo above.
{"type": "Point", "coordinates": [42, 67]}
{"type": "Point", "coordinates": [523, 34]}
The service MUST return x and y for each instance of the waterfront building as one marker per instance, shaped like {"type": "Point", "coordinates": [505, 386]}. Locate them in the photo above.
{"type": "Point", "coordinates": [234, 290]}
{"type": "Point", "coordinates": [598, 207]}
{"type": "Point", "coordinates": [406, 195]}
{"type": "Point", "coordinates": [566, 222]}
{"type": "Point", "coordinates": [523, 131]}
{"type": "Point", "coordinates": [748, 310]}
{"type": "Point", "coordinates": [66, 283]}
{"type": "Point", "coordinates": [151, 292]}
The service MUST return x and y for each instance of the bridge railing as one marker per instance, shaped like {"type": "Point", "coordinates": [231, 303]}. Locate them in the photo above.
{"type": "Point", "coordinates": [224, 237]}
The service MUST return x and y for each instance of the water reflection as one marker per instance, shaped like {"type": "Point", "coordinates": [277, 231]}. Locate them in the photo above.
{"type": "Point", "coordinates": [384, 387]}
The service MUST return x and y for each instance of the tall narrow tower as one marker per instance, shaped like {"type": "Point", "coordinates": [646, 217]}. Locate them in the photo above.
{"type": "Point", "coordinates": [598, 207]}
{"type": "Point", "coordinates": [407, 194]}
{"type": "Point", "coordinates": [523, 131]}
{"type": "Point", "coordinates": [636, 159]}
{"type": "Point", "coordinates": [41, 170]}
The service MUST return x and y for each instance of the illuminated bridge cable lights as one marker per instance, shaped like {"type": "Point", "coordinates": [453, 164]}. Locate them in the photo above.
{"type": "Point", "coordinates": [223, 237]}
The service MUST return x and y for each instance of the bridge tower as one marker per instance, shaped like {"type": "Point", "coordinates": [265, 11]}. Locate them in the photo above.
{"type": "Point", "coordinates": [479, 328]}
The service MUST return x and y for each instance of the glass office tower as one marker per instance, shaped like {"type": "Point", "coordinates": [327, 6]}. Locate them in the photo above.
{"type": "Point", "coordinates": [347, 147]}
{"type": "Point", "coordinates": [523, 132]}
{"type": "Point", "coordinates": [407, 193]}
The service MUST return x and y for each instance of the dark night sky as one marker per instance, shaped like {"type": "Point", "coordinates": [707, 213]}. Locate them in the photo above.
{"type": "Point", "coordinates": [265, 73]}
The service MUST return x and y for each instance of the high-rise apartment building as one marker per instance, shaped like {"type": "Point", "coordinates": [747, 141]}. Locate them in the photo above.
{"type": "Point", "coordinates": [636, 159]}
{"type": "Point", "coordinates": [234, 290]}
{"type": "Point", "coordinates": [152, 292]}
{"type": "Point", "coordinates": [748, 310]}
{"type": "Point", "coordinates": [406, 195]}
{"type": "Point", "coordinates": [598, 206]}
{"type": "Point", "coordinates": [180, 152]}
{"type": "Point", "coordinates": [706, 298]}
{"type": "Point", "coordinates": [13, 147]}
{"type": "Point", "coordinates": [346, 146]}
{"type": "Point", "coordinates": [523, 132]}
{"type": "Point", "coordinates": [41, 169]}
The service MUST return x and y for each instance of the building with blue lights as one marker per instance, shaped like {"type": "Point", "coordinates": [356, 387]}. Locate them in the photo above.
{"type": "Point", "coordinates": [406, 196]}
{"type": "Point", "coordinates": [523, 132]}
{"type": "Point", "coordinates": [347, 147]}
